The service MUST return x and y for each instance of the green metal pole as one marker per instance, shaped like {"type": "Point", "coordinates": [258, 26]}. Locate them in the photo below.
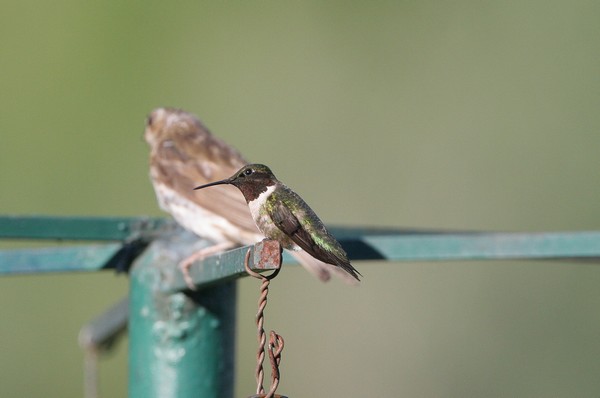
{"type": "Point", "coordinates": [181, 345]}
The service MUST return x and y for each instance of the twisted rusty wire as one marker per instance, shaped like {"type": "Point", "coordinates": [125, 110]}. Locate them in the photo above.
{"type": "Point", "coordinates": [275, 341]}
{"type": "Point", "coordinates": [276, 344]}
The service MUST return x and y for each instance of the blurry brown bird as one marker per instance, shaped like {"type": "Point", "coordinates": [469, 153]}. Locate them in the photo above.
{"type": "Point", "coordinates": [184, 154]}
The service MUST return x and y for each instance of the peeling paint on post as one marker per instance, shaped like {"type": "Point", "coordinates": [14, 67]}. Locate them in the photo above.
{"type": "Point", "coordinates": [181, 345]}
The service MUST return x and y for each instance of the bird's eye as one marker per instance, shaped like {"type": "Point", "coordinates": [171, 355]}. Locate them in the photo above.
{"type": "Point", "coordinates": [248, 172]}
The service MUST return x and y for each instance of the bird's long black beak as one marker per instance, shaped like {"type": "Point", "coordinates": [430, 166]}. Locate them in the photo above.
{"type": "Point", "coordinates": [222, 182]}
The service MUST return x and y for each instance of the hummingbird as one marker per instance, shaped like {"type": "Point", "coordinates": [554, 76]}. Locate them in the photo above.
{"type": "Point", "coordinates": [282, 215]}
{"type": "Point", "coordinates": [184, 153]}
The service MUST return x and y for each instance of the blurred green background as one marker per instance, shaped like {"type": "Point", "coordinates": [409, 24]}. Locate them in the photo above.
{"type": "Point", "coordinates": [463, 115]}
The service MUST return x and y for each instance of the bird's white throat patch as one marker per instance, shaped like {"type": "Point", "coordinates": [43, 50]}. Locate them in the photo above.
{"type": "Point", "coordinates": [258, 203]}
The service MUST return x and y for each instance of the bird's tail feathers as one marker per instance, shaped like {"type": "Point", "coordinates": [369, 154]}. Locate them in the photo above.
{"type": "Point", "coordinates": [320, 269]}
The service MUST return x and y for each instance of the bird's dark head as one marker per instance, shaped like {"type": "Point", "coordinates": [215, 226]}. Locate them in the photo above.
{"type": "Point", "coordinates": [252, 180]}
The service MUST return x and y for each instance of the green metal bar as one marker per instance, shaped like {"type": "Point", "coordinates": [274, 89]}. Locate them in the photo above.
{"type": "Point", "coordinates": [76, 228]}
{"type": "Point", "coordinates": [181, 344]}
{"type": "Point", "coordinates": [102, 332]}
{"type": "Point", "coordinates": [483, 246]}
{"type": "Point", "coordinates": [361, 244]}
{"type": "Point", "coordinates": [120, 228]}
{"type": "Point", "coordinates": [57, 259]}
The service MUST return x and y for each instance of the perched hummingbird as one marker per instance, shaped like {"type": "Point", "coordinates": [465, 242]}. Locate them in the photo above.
{"type": "Point", "coordinates": [282, 215]}
{"type": "Point", "coordinates": [183, 153]}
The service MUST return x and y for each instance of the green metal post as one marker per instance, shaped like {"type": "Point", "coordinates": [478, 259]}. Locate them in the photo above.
{"type": "Point", "coordinates": [181, 345]}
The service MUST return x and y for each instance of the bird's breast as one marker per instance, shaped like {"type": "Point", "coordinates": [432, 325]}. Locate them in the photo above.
{"type": "Point", "coordinates": [201, 221]}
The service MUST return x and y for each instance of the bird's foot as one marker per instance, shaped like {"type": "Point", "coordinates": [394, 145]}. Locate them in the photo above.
{"type": "Point", "coordinates": [201, 254]}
